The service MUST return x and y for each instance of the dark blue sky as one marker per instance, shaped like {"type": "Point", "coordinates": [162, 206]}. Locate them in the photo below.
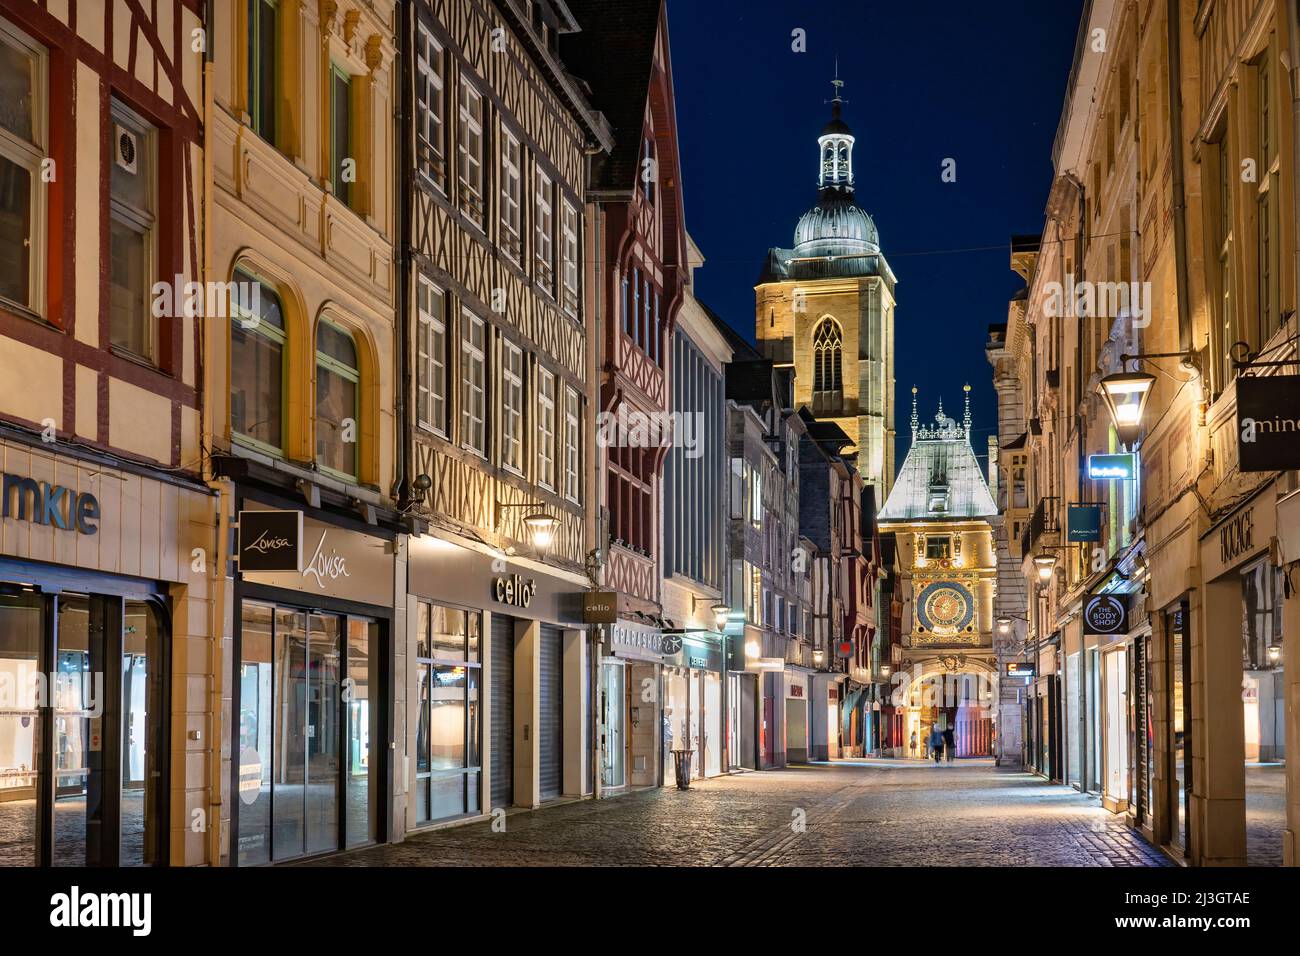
{"type": "Point", "coordinates": [981, 83]}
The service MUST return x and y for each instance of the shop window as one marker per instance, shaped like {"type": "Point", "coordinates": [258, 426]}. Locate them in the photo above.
{"type": "Point", "coordinates": [263, 81]}
{"type": "Point", "coordinates": [133, 252]}
{"type": "Point", "coordinates": [431, 361]}
{"type": "Point", "coordinates": [257, 351]}
{"type": "Point", "coordinates": [338, 380]}
{"type": "Point", "coordinates": [430, 91]}
{"type": "Point", "coordinates": [22, 149]}
{"type": "Point", "coordinates": [546, 429]}
{"type": "Point", "coordinates": [511, 188]}
{"type": "Point", "coordinates": [471, 149]}
{"type": "Point", "coordinates": [447, 734]}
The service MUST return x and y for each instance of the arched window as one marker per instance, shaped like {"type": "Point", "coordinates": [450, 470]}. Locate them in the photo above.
{"type": "Point", "coordinates": [828, 346]}
{"type": "Point", "coordinates": [257, 347]}
{"type": "Point", "coordinates": [338, 381]}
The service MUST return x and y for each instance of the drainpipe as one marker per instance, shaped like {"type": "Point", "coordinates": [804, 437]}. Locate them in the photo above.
{"type": "Point", "coordinates": [1293, 51]}
{"type": "Point", "coordinates": [1174, 15]}
{"type": "Point", "coordinates": [406, 168]}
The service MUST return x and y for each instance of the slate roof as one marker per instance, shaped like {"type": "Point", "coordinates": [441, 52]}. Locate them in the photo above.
{"type": "Point", "coordinates": [614, 55]}
{"type": "Point", "coordinates": [930, 462]}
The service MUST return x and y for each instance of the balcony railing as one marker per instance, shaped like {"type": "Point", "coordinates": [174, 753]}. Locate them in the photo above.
{"type": "Point", "coordinates": [1046, 519]}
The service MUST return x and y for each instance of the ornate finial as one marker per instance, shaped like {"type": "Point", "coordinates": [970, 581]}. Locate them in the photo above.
{"type": "Point", "coordinates": [966, 417]}
{"type": "Point", "coordinates": [940, 416]}
{"type": "Point", "coordinates": [915, 421]}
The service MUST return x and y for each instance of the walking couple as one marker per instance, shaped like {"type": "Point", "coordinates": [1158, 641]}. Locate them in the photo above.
{"type": "Point", "coordinates": [941, 741]}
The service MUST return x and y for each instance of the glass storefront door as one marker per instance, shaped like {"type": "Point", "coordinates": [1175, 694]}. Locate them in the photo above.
{"type": "Point", "coordinates": [82, 740]}
{"type": "Point", "coordinates": [613, 756]}
{"type": "Point", "coordinates": [305, 733]}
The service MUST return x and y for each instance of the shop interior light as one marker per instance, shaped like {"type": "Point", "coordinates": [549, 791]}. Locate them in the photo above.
{"type": "Point", "coordinates": [1126, 395]}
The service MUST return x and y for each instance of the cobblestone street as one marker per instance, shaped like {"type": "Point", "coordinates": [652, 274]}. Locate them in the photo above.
{"type": "Point", "coordinates": [856, 813]}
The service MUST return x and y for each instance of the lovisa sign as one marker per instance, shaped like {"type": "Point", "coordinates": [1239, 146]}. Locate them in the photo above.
{"type": "Point", "coordinates": [336, 562]}
{"type": "Point", "coordinates": [270, 540]}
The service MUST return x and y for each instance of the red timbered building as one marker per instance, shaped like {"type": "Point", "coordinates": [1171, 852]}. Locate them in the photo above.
{"type": "Point", "coordinates": [106, 527]}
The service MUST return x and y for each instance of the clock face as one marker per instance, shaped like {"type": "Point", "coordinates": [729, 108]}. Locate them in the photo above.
{"type": "Point", "coordinates": [946, 607]}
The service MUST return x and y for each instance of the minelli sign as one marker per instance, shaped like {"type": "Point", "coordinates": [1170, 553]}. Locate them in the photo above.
{"type": "Point", "coordinates": [1268, 422]}
{"type": "Point", "coordinates": [41, 502]}
{"type": "Point", "coordinates": [1106, 614]}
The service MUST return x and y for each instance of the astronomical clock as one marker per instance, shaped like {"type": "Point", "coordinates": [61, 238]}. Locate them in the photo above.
{"type": "Point", "coordinates": [945, 613]}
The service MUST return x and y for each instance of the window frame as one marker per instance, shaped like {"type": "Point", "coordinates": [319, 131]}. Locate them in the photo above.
{"type": "Point", "coordinates": [353, 375]}
{"type": "Point", "coordinates": [473, 356]}
{"type": "Point", "coordinates": [546, 428]}
{"type": "Point", "coordinates": [512, 408]}
{"type": "Point", "coordinates": [472, 195]}
{"type": "Point", "coordinates": [431, 357]}
{"type": "Point", "coordinates": [143, 222]}
{"type": "Point", "coordinates": [254, 75]}
{"type": "Point", "coordinates": [431, 89]}
{"type": "Point", "coordinates": [512, 237]}
{"type": "Point", "coordinates": [572, 445]}
{"type": "Point", "coordinates": [344, 192]}
{"type": "Point", "coordinates": [570, 257]}
{"type": "Point", "coordinates": [276, 335]}
{"type": "Point", "coordinates": [544, 230]}
{"type": "Point", "coordinates": [28, 155]}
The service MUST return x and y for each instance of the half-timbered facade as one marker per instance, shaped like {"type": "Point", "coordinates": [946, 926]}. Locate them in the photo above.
{"type": "Point", "coordinates": [499, 399]}
{"type": "Point", "coordinates": [106, 525]}
{"type": "Point", "coordinates": [641, 272]}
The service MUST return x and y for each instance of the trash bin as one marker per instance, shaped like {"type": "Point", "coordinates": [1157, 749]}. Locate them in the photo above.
{"type": "Point", "coordinates": [682, 766]}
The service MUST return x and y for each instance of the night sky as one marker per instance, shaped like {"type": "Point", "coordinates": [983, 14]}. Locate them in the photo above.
{"type": "Point", "coordinates": [924, 80]}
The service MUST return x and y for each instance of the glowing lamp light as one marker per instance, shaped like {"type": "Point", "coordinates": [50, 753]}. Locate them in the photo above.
{"type": "Point", "coordinates": [720, 613]}
{"type": "Point", "coordinates": [1045, 561]}
{"type": "Point", "coordinates": [1127, 394]}
{"type": "Point", "coordinates": [1004, 625]}
{"type": "Point", "coordinates": [542, 528]}
{"type": "Point", "coordinates": [752, 649]}
{"type": "Point", "coordinates": [818, 657]}
{"type": "Point", "coordinates": [1274, 653]}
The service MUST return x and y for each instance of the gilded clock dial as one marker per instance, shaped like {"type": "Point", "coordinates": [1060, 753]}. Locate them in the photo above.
{"type": "Point", "coordinates": [946, 607]}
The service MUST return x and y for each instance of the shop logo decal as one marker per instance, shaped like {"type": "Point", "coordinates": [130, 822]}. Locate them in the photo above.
{"type": "Point", "coordinates": [321, 566]}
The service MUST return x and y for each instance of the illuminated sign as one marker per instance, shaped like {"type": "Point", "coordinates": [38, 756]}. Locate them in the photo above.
{"type": "Point", "coordinates": [1021, 669]}
{"type": "Point", "coordinates": [514, 590]}
{"type": "Point", "coordinates": [1112, 467]}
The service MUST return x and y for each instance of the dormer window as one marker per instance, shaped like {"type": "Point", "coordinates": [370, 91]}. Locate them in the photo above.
{"type": "Point", "coordinates": [938, 499]}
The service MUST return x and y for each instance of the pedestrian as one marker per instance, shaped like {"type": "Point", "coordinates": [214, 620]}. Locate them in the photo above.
{"type": "Point", "coordinates": [914, 743]}
{"type": "Point", "coordinates": [950, 743]}
{"type": "Point", "coordinates": [936, 744]}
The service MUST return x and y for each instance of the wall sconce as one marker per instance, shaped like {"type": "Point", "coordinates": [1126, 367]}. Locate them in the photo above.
{"type": "Point", "coordinates": [1126, 395]}
{"type": "Point", "coordinates": [718, 609]}
{"type": "Point", "coordinates": [1045, 561]}
{"type": "Point", "coordinates": [1274, 653]}
{"type": "Point", "coordinates": [818, 657]}
{"type": "Point", "coordinates": [541, 527]}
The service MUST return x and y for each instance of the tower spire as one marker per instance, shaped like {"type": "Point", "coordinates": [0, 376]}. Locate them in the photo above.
{"type": "Point", "coordinates": [966, 417]}
{"type": "Point", "coordinates": [915, 420]}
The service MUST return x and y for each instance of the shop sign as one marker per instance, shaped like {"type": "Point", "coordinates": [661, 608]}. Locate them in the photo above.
{"type": "Point", "coordinates": [631, 640]}
{"type": "Point", "coordinates": [1268, 423]}
{"type": "Point", "coordinates": [1083, 523]}
{"type": "Point", "coordinates": [1237, 536]}
{"type": "Point", "coordinates": [796, 690]}
{"type": "Point", "coordinates": [1106, 614]}
{"type": "Point", "coordinates": [340, 563]}
{"type": "Point", "coordinates": [832, 693]}
{"type": "Point", "coordinates": [513, 590]}
{"type": "Point", "coordinates": [671, 643]}
{"type": "Point", "coordinates": [54, 505]}
{"type": "Point", "coordinates": [1112, 467]}
{"type": "Point", "coordinates": [1246, 533]}
{"type": "Point", "coordinates": [270, 540]}
{"type": "Point", "coordinates": [600, 607]}
{"type": "Point", "coordinates": [1020, 669]}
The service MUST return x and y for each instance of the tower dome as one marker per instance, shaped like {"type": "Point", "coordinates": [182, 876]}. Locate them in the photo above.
{"type": "Point", "coordinates": [837, 225]}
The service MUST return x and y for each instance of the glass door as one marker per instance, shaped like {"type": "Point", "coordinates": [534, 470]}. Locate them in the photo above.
{"type": "Point", "coordinates": [143, 740]}
{"type": "Point", "coordinates": [613, 747]}
{"type": "Point", "coordinates": [77, 700]}
{"type": "Point", "coordinates": [21, 637]}
{"type": "Point", "coordinates": [359, 694]}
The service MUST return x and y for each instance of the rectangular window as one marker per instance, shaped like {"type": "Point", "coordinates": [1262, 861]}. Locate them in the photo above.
{"type": "Point", "coordinates": [737, 488]}
{"type": "Point", "coordinates": [473, 395]}
{"type": "Point", "coordinates": [569, 234]}
{"type": "Point", "coordinates": [756, 497]}
{"type": "Point", "coordinates": [512, 407]}
{"type": "Point", "coordinates": [431, 134]}
{"type": "Point", "coordinates": [937, 547]}
{"type": "Point", "coordinates": [572, 445]}
{"type": "Point", "coordinates": [431, 367]}
{"type": "Point", "coordinates": [1270, 245]}
{"type": "Point", "coordinates": [338, 395]}
{"type": "Point", "coordinates": [133, 191]}
{"type": "Point", "coordinates": [262, 85]}
{"type": "Point", "coordinates": [544, 218]}
{"type": "Point", "coordinates": [470, 152]}
{"type": "Point", "coordinates": [343, 165]}
{"type": "Point", "coordinates": [546, 429]}
{"type": "Point", "coordinates": [22, 140]}
{"type": "Point", "coordinates": [510, 195]}
{"type": "Point", "coordinates": [257, 347]}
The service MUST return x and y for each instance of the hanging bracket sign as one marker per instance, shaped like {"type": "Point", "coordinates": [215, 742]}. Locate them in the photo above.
{"type": "Point", "coordinates": [270, 541]}
{"type": "Point", "coordinates": [1268, 422]}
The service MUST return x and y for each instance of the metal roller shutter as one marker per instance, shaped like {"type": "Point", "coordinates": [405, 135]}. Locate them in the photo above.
{"type": "Point", "coordinates": [502, 668]}
{"type": "Point", "coordinates": [551, 712]}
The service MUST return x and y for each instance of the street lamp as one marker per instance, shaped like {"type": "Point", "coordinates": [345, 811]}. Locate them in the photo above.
{"type": "Point", "coordinates": [542, 527]}
{"type": "Point", "coordinates": [1274, 653]}
{"type": "Point", "coordinates": [818, 657]}
{"type": "Point", "coordinates": [1004, 625]}
{"type": "Point", "coordinates": [1126, 395]}
{"type": "Point", "coordinates": [1045, 561]}
{"type": "Point", "coordinates": [720, 611]}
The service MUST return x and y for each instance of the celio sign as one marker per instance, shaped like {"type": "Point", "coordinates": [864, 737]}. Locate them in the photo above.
{"type": "Point", "coordinates": [514, 590]}
{"type": "Point", "coordinates": [47, 504]}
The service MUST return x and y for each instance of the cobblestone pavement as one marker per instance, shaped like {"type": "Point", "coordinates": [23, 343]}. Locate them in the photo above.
{"type": "Point", "coordinates": [855, 813]}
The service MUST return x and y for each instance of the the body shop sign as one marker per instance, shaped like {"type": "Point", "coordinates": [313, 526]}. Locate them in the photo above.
{"type": "Point", "coordinates": [1106, 614]}
{"type": "Point", "coordinates": [336, 562]}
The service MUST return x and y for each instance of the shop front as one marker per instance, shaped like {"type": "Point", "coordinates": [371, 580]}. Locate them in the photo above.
{"type": "Point", "coordinates": [694, 702]}
{"type": "Point", "coordinates": [95, 568]}
{"type": "Point", "coordinates": [500, 695]}
{"type": "Point", "coordinates": [1244, 680]}
{"type": "Point", "coordinates": [636, 731]}
{"type": "Point", "coordinates": [314, 657]}
{"type": "Point", "coordinates": [797, 715]}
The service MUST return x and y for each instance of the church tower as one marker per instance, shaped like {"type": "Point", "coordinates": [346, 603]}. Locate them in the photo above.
{"type": "Point", "coordinates": [826, 306]}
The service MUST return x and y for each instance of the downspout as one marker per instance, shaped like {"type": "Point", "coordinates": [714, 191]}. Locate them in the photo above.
{"type": "Point", "coordinates": [405, 170]}
{"type": "Point", "coordinates": [1174, 25]}
{"type": "Point", "coordinates": [1293, 51]}
{"type": "Point", "coordinates": [596, 243]}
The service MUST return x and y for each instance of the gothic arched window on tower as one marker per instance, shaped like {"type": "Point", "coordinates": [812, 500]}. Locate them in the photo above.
{"type": "Point", "coordinates": [828, 348]}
